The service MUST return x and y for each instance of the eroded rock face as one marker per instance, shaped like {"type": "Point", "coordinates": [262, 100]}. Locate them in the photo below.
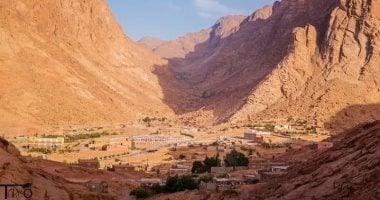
{"type": "Point", "coordinates": [307, 59]}
{"type": "Point", "coordinates": [335, 66]}
{"type": "Point", "coordinates": [349, 170]}
{"type": "Point", "coordinates": [68, 62]}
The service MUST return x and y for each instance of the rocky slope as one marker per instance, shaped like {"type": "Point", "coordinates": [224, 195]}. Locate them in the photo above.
{"type": "Point", "coordinates": [150, 42]}
{"type": "Point", "coordinates": [52, 180]}
{"type": "Point", "coordinates": [68, 62]}
{"type": "Point", "coordinates": [298, 58]}
{"type": "Point", "coordinates": [349, 170]}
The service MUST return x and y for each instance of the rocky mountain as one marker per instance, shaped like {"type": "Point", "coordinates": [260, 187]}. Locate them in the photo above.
{"type": "Point", "coordinates": [68, 62]}
{"type": "Point", "coordinates": [306, 59]}
{"type": "Point", "coordinates": [150, 42]}
{"type": "Point", "coordinates": [186, 44]}
{"type": "Point", "coordinates": [349, 170]}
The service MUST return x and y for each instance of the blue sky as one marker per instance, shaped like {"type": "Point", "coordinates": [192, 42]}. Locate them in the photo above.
{"type": "Point", "coordinates": [168, 19]}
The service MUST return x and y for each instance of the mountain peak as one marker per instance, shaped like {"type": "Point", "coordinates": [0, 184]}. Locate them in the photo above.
{"type": "Point", "coordinates": [150, 42]}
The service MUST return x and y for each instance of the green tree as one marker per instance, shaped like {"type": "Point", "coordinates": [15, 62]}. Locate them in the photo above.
{"type": "Point", "coordinates": [205, 166]}
{"type": "Point", "coordinates": [176, 184]}
{"type": "Point", "coordinates": [212, 162]}
{"type": "Point", "coordinates": [171, 184]}
{"type": "Point", "coordinates": [235, 159]}
{"type": "Point", "coordinates": [187, 183]}
{"type": "Point", "coordinates": [198, 167]}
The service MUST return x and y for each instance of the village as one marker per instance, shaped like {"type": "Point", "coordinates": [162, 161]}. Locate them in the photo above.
{"type": "Point", "coordinates": [217, 160]}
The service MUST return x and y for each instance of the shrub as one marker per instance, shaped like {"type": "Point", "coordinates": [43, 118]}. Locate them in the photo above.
{"type": "Point", "coordinates": [205, 179]}
{"type": "Point", "coordinates": [140, 192]}
{"type": "Point", "coordinates": [41, 150]}
{"type": "Point", "coordinates": [82, 136]}
{"type": "Point", "coordinates": [269, 127]}
{"type": "Point", "coordinates": [198, 167]}
{"type": "Point", "coordinates": [176, 184]}
{"type": "Point", "coordinates": [205, 166]}
{"type": "Point", "coordinates": [157, 188]}
{"type": "Point", "coordinates": [146, 119]}
{"type": "Point", "coordinates": [211, 162]}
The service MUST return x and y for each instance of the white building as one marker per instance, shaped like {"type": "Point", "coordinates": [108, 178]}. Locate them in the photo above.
{"type": "Point", "coordinates": [189, 130]}
{"type": "Point", "coordinates": [159, 139]}
{"type": "Point", "coordinates": [282, 127]}
{"type": "Point", "coordinates": [279, 168]}
{"type": "Point", "coordinates": [47, 142]}
{"type": "Point", "coordinates": [253, 134]}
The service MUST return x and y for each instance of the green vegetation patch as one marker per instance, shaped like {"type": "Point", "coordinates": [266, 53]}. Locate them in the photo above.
{"type": "Point", "coordinates": [41, 150]}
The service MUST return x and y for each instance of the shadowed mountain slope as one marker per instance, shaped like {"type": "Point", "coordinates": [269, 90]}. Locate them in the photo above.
{"type": "Point", "coordinates": [305, 59]}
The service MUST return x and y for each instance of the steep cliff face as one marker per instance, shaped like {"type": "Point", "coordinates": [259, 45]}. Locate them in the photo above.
{"type": "Point", "coordinates": [330, 65]}
{"type": "Point", "coordinates": [298, 58]}
{"type": "Point", "coordinates": [68, 62]}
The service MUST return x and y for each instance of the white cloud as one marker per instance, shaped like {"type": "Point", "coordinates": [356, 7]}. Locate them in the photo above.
{"type": "Point", "coordinates": [213, 9]}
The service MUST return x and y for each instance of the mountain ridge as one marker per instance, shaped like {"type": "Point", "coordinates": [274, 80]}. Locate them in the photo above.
{"type": "Point", "coordinates": [183, 45]}
{"type": "Point", "coordinates": [75, 50]}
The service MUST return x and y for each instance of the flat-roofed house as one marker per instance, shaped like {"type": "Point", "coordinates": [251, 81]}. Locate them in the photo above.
{"type": "Point", "coordinates": [254, 134]}
{"type": "Point", "coordinates": [119, 143]}
{"type": "Point", "coordinates": [123, 168]}
{"type": "Point", "coordinates": [321, 145]}
{"type": "Point", "coordinates": [221, 170]}
{"type": "Point", "coordinates": [271, 176]}
{"type": "Point", "coordinates": [279, 168]}
{"type": "Point", "coordinates": [282, 127]}
{"type": "Point", "coordinates": [47, 142]}
{"type": "Point", "coordinates": [179, 172]}
{"type": "Point", "coordinates": [207, 186]}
